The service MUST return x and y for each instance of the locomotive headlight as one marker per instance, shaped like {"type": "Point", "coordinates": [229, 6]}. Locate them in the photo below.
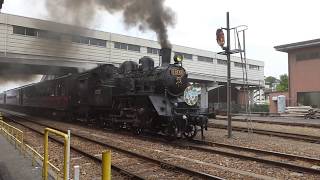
{"type": "Point", "coordinates": [191, 95]}
{"type": "Point", "coordinates": [178, 58]}
{"type": "Point", "coordinates": [184, 117]}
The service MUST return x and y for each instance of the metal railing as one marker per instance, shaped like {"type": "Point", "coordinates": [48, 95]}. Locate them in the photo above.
{"type": "Point", "coordinates": [13, 134]}
{"type": "Point", "coordinates": [16, 137]}
{"type": "Point", "coordinates": [66, 161]}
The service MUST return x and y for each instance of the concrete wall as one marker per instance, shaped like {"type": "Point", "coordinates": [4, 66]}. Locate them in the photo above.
{"type": "Point", "coordinates": [17, 48]}
{"type": "Point", "coordinates": [304, 72]}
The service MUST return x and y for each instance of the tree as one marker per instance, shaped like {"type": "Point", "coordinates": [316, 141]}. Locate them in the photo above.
{"type": "Point", "coordinates": [270, 80]}
{"type": "Point", "coordinates": [283, 86]}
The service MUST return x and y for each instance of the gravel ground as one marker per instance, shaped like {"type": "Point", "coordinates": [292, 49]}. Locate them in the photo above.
{"type": "Point", "coordinates": [274, 127]}
{"type": "Point", "coordinates": [88, 168]}
{"type": "Point", "coordinates": [264, 142]}
{"type": "Point", "coordinates": [230, 168]}
{"type": "Point", "coordinates": [195, 159]}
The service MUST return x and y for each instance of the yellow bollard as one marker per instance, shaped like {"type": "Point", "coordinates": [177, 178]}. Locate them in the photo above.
{"type": "Point", "coordinates": [106, 165]}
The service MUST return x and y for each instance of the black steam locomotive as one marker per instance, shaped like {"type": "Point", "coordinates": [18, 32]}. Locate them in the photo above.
{"type": "Point", "coordinates": [139, 97]}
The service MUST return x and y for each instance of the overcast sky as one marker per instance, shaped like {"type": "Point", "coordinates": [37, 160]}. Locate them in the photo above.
{"type": "Point", "coordinates": [270, 23]}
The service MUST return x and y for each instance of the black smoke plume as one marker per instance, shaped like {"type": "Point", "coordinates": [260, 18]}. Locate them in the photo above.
{"type": "Point", "coordinates": [16, 78]}
{"type": "Point", "coordinates": [146, 14]}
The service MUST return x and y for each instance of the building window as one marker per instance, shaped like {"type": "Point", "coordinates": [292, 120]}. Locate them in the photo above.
{"type": "Point", "coordinates": [205, 59]}
{"type": "Point", "coordinates": [80, 39]}
{"type": "Point", "coordinates": [309, 99]}
{"type": "Point", "coordinates": [152, 50]}
{"type": "Point", "coordinates": [241, 65]}
{"type": "Point", "coordinates": [307, 56]}
{"type": "Point", "coordinates": [222, 62]}
{"type": "Point", "coordinates": [19, 30]}
{"type": "Point", "coordinates": [185, 55]}
{"type": "Point", "coordinates": [133, 48]}
{"type": "Point", "coordinates": [125, 46]}
{"type": "Point", "coordinates": [89, 41]}
{"type": "Point", "coordinates": [117, 45]}
{"type": "Point", "coordinates": [254, 67]}
{"type": "Point", "coordinates": [36, 33]}
{"type": "Point", "coordinates": [98, 42]}
{"type": "Point", "coordinates": [31, 32]}
{"type": "Point", "coordinates": [49, 35]}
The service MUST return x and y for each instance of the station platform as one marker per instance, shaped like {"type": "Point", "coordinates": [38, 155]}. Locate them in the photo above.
{"type": "Point", "coordinates": [14, 166]}
{"type": "Point", "coordinates": [294, 121]}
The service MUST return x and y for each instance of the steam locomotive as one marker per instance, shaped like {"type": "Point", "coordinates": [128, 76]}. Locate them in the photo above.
{"type": "Point", "coordinates": [138, 97]}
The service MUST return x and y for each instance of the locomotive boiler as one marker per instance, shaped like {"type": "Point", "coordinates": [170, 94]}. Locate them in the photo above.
{"type": "Point", "coordinates": [135, 96]}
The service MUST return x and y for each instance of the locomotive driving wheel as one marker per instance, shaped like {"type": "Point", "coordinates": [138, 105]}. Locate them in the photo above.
{"type": "Point", "coordinates": [191, 131]}
{"type": "Point", "coordinates": [171, 131]}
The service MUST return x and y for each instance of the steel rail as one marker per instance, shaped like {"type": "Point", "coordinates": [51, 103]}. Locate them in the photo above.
{"type": "Point", "coordinates": [300, 137]}
{"type": "Point", "coordinates": [259, 151]}
{"type": "Point", "coordinates": [156, 161]}
{"type": "Point", "coordinates": [96, 159]}
{"type": "Point", "coordinates": [273, 122]}
{"type": "Point", "coordinates": [265, 161]}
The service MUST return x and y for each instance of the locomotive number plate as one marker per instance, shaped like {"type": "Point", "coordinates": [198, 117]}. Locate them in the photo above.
{"type": "Point", "coordinates": [177, 72]}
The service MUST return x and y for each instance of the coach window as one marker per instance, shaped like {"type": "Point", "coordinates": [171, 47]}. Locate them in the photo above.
{"type": "Point", "coordinates": [58, 89]}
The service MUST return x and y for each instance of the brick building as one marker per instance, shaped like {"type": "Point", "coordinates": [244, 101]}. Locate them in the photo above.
{"type": "Point", "coordinates": [304, 72]}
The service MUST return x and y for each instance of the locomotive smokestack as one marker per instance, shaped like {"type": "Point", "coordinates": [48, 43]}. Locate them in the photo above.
{"type": "Point", "coordinates": [165, 54]}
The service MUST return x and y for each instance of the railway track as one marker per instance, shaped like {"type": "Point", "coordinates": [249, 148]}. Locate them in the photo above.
{"type": "Point", "coordinates": [97, 159]}
{"type": "Point", "coordinates": [274, 122]}
{"type": "Point", "coordinates": [299, 137]}
{"type": "Point", "coordinates": [288, 161]}
{"type": "Point", "coordinates": [258, 155]}
{"type": "Point", "coordinates": [129, 158]}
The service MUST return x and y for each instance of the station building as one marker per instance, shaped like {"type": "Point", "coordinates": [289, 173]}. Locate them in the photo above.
{"type": "Point", "coordinates": [37, 46]}
{"type": "Point", "coordinates": [304, 72]}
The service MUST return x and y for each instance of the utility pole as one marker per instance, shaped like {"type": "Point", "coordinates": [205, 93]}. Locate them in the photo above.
{"type": "Point", "coordinates": [228, 79]}
{"type": "Point", "coordinates": [227, 51]}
